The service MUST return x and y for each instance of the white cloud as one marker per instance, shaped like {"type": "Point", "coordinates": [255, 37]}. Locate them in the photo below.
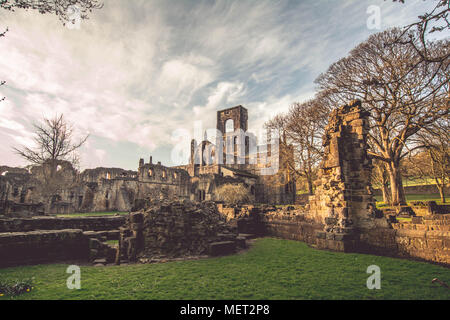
{"type": "Point", "coordinates": [137, 71]}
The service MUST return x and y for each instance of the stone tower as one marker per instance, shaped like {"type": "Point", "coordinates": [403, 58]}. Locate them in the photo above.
{"type": "Point", "coordinates": [238, 114]}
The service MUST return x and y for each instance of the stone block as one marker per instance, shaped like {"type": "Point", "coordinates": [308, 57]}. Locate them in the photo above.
{"type": "Point", "coordinates": [222, 248]}
{"type": "Point", "coordinates": [241, 242]}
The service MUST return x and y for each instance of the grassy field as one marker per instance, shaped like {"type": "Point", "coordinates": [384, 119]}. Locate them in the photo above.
{"type": "Point", "coordinates": [91, 214]}
{"type": "Point", "coordinates": [271, 269]}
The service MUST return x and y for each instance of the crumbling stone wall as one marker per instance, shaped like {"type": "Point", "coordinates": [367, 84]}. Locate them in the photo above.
{"type": "Point", "coordinates": [289, 222]}
{"type": "Point", "coordinates": [48, 239]}
{"type": "Point", "coordinates": [343, 200]}
{"type": "Point", "coordinates": [24, 193]}
{"type": "Point", "coordinates": [176, 229]}
{"type": "Point", "coordinates": [425, 238]}
{"type": "Point", "coordinates": [52, 223]}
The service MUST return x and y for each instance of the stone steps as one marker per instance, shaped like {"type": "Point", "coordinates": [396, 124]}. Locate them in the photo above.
{"type": "Point", "coordinates": [100, 252]}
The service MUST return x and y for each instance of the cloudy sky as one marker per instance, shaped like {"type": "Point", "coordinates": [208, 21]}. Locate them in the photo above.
{"type": "Point", "coordinates": [139, 75]}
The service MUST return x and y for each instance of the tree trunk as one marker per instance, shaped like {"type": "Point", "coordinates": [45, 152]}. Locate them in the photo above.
{"type": "Point", "coordinates": [386, 195]}
{"type": "Point", "coordinates": [310, 185]}
{"type": "Point", "coordinates": [441, 192]}
{"type": "Point", "coordinates": [397, 192]}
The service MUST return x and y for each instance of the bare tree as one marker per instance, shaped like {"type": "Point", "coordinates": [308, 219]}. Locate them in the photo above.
{"type": "Point", "coordinates": [2, 82]}
{"type": "Point", "coordinates": [302, 128]}
{"type": "Point", "coordinates": [380, 177]}
{"type": "Point", "coordinates": [305, 128]}
{"type": "Point", "coordinates": [402, 92]}
{"type": "Point", "coordinates": [61, 8]}
{"type": "Point", "coordinates": [286, 175]}
{"type": "Point", "coordinates": [430, 22]}
{"type": "Point", "coordinates": [53, 144]}
{"type": "Point", "coordinates": [434, 161]}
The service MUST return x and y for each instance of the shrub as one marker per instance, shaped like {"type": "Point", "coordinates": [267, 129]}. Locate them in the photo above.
{"type": "Point", "coordinates": [234, 194]}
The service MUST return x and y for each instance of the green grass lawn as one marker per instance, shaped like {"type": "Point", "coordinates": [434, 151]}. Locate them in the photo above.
{"type": "Point", "coordinates": [91, 214]}
{"type": "Point", "coordinates": [412, 197]}
{"type": "Point", "coordinates": [271, 269]}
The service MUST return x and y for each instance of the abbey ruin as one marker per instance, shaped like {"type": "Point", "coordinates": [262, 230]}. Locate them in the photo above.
{"type": "Point", "coordinates": [114, 189]}
{"type": "Point", "coordinates": [174, 213]}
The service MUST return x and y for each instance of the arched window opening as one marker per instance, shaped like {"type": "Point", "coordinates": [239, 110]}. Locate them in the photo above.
{"type": "Point", "coordinates": [229, 126]}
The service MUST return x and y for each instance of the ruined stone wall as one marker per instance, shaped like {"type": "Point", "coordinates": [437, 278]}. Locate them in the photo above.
{"type": "Point", "coordinates": [94, 190]}
{"type": "Point", "coordinates": [15, 188]}
{"type": "Point", "coordinates": [176, 229]}
{"type": "Point", "coordinates": [48, 239]}
{"type": "Point", "coordinates": [52, 223]}
{"type": "Point", "coordinates": [98, 174]}
{"type": "Point", "coordinates": [343, 200]}
{"type": "Point", "coordinates": [288, 222]}
{"type": "Point", "coordinates": [19, 248]}
{"type": "Point", "coordinates": [424, 238]}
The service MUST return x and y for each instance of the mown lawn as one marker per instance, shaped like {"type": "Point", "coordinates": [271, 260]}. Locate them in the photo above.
{"type": "Point", "coordinates": [271, 269]}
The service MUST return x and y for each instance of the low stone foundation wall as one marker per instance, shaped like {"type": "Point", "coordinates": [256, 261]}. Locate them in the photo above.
{"type": "Point", "coordinates": [52, 223]}
{"type": "Point", "coordinates": [420, 189]}
{"type": "Point", "coordinates": [293, 230]}
{"type": "Point", "coordinates": [34, 247]}
{"type": "Point", "coordinates": [424, 238]}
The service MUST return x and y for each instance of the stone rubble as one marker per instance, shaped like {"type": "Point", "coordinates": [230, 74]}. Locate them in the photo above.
{"type": "Point", "coordinates": [168, 230]}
